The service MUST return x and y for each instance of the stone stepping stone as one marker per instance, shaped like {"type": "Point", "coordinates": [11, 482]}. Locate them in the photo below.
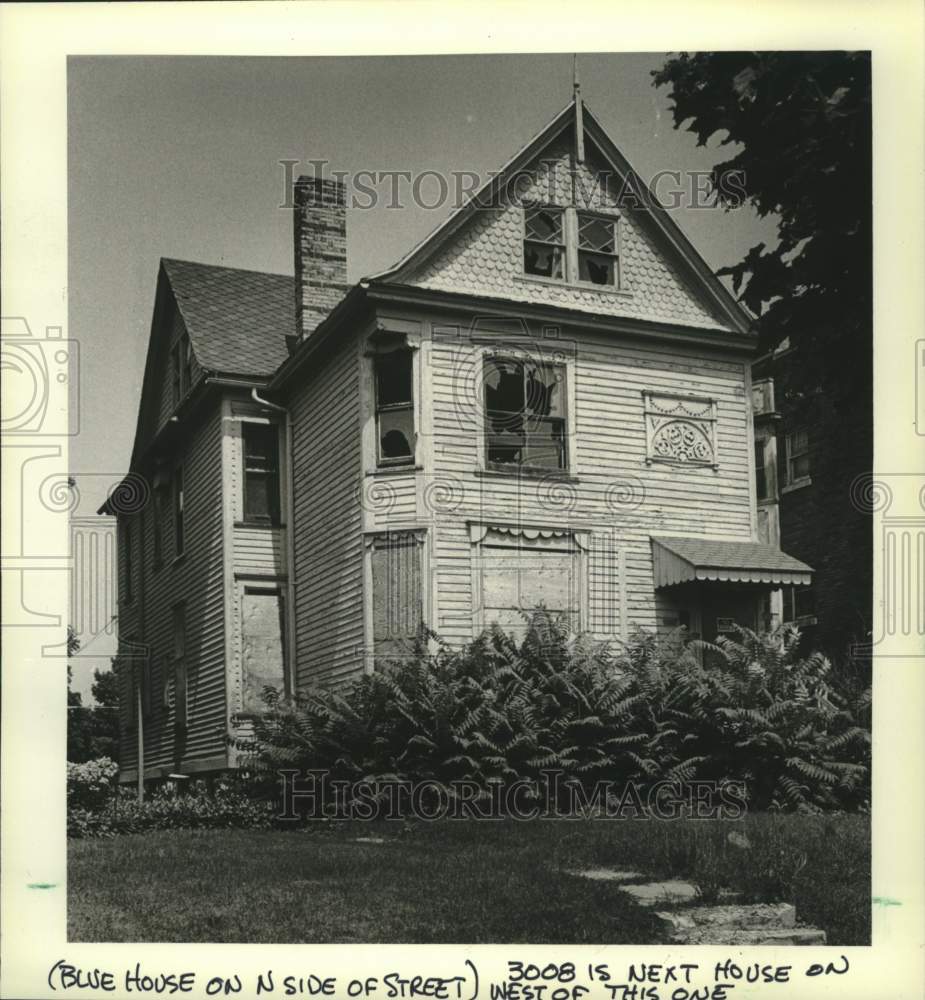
{"type": "Point", "coordinates": [671, 892]}
{"type": "Point", "coordinates": [779, 936]}
{"type": "Point", "coordinates": [606, 875]}
{"type": "Point", "coordinates": [677, 925]}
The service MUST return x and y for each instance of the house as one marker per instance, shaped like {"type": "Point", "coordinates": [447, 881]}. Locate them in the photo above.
{"type": "Point", "coordinates": [547, 401]}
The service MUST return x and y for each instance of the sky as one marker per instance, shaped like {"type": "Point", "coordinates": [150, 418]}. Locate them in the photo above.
{"type": "Point", "coordinates": [180, 157]}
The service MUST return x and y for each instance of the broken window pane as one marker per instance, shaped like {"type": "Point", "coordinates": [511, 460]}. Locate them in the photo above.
{"type": "Point", "coordinates": [394, 408]}
{"type": "Point", "coordinates": [543, 260]}
{"type": "Point", "coordinates": [597, 250]}
{"type": "Point", "coordinates": [544, 242]}
{"type": "Point", "coordinates": [396, 432]}
{"type": "Point", "coordinates": [525, 414]}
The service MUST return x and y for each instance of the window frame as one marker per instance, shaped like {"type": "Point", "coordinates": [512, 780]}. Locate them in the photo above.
{"type": "Point", "coordinates": [274, 475]}
{"type": "Point", "coordinates": [561, 211]}
{"type": "Point", "coordinates": [571, 246]}
{"type": "Point", "coordinates": [614, 256]}
{"type": "Point", "coordinates": [790, 457]}
{"type": "Point", "coordinates": [399, 407]}
{"type": "Point", "coordinates": [518, 468]}
{"type": "Point", "coordinates": [789, 613]}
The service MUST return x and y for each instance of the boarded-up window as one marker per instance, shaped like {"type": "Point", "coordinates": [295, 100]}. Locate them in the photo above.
{"type": "Point", "coordinates": [518, 573]}
{"type": "Point", "coordinates": [397, 598]}
{"type": "Point", "coordinates": [263, 644]}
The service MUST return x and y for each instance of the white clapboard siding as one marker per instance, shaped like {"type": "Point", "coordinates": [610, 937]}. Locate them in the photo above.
{"type": "Point", "coordinates": [327, 543]}
{"type": "Point", "coordinates": [197, 579]}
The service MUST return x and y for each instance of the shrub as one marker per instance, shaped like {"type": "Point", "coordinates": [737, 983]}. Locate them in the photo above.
{"type": "Point", "coordinates": [499, 711]}
{"type": "Point", "coordinates": [90, 785]}
{"type": "Point", "coordinates": [227, 807]}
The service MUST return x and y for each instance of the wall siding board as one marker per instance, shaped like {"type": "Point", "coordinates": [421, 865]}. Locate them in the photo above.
{"type": "Point", "coordinates": [327, 537]}
{"type": "Point", "coordinates": [196, 578]}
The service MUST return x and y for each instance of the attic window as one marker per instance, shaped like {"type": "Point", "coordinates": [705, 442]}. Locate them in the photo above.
{"type": "Point", "coordinates": [598, 262]}
{"type": "Point", "coordinates": [544, 242]}
{"type": "Point", "coordinates": [394, 408]}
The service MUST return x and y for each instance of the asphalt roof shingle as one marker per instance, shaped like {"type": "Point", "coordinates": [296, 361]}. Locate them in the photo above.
{"type": "Point", "coordinates": [237, 320]}
{"type": "Point", "coordinates": [730, 554]}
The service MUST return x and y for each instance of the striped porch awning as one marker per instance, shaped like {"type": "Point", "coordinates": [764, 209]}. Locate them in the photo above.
{"type": "Point", "coordinates": [681, 560]}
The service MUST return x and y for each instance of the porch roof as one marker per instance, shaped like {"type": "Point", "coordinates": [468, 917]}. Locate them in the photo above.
{"type": "Point", "coordinates": [679, 560]}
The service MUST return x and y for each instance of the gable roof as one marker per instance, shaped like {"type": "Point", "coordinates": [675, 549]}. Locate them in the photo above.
{"type": "Point", "coordinates": [669, 236]}
{"type": "Point", "coordinates": [237, 320]}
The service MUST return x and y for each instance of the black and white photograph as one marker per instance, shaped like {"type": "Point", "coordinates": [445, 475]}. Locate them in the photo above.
{"type": "Point", "coordinates": [474, 533]}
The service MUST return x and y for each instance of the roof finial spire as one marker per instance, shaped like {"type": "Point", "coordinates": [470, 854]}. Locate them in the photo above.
{"type": "Point", "coordinates": [579, 116]}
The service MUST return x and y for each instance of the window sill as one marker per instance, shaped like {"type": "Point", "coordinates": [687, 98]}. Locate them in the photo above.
{"type": "Point", "coordinates": [394, 470]}
{"type": "Point", "coordinates": [584, 286]}
{"type": "Point", "coordinates": [799, 484]}
{"type": "Point", "coordinates": [527, 472]}
{"type": "Point", "coordinates": [262, 525]}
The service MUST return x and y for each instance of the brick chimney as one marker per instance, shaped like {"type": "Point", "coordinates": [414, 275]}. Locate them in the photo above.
{"type": "Point", "coordinates": [320, 231]}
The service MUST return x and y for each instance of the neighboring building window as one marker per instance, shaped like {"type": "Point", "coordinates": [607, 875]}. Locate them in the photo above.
{"type": "Point", "coordinates": [394, 408]}
{"type": "Point", "coordinates": [799, 604]}
{"type": "Point", "coordinates": [544, 242]}
{"type": "Point", "coordinates": [128, 564]}
{"type": "Point", "coordinates": [179, 666]}
{"type": "Point", "coordinates": [525, 420]}
{"type": "Point", "coordinates": [261, 473]}
{"type": "Point", "coordinates": [797, 457]}
{"type": "Point", "coordinates": [761, 472]}
{"type": "Point", "coordinates": [597, 250]}
{"type": "Point", "coordinates": [178, 511]}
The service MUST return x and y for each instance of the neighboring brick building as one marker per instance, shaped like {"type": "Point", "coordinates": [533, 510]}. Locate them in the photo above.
{"type": "Point", "coordinates": [814, 454]}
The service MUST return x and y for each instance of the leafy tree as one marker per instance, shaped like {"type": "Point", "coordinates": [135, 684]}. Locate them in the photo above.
{"type": "Point", "coordinates": [92, 730]}
{"type": "Point", "coordinates": [802, 122]}
{"type": "Point", "coordinates": [105, 688]}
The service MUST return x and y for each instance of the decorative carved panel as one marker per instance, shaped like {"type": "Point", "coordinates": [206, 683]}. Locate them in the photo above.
{"type": "Point", "coordinates": [680, 430]}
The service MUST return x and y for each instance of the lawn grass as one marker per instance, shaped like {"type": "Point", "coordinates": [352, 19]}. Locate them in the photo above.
{"type": "Point", "coordinates": [450, 882]}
